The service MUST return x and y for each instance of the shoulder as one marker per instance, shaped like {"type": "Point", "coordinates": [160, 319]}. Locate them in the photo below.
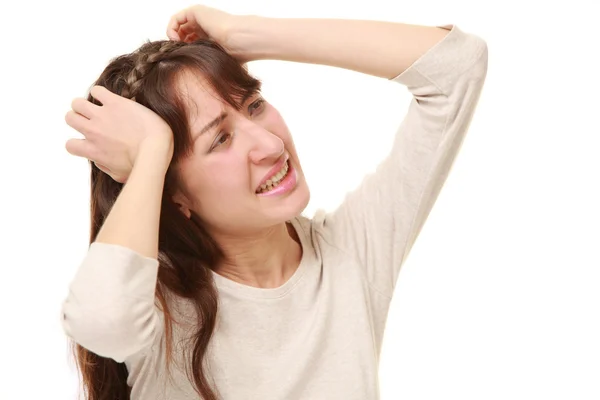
{"type": "Point", "coordinates": [316, 236]}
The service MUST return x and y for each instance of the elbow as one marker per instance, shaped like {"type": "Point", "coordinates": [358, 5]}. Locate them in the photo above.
{"type": "Point", "coordinates": [477, 59]}
{"type": "Point", "coordinates": [109, 332]}
{"type": "Point", "coordinates": [481, 65]}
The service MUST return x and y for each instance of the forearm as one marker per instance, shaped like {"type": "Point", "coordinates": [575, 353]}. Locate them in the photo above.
{"type": "Point", "coordinates": [133, 221]}
{"type": "Point", "coordinates": [378, 48]}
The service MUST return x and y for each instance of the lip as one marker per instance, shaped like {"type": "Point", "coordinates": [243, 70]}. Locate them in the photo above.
{"type": "Point", "coordinates": [272, 171]}
{"type": "Point", "coordinates": [284, 187]}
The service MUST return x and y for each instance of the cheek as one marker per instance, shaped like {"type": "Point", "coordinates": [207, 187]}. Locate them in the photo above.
{"type": "Point", "coordinates": [212, 182]}
{"type": "Point", "coordinates": [274, 123]}
{"type": "Point", "coordinates": [226, 177]}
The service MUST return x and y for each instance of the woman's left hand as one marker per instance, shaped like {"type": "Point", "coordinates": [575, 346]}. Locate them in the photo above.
{"type": "Point", "coordinates": [203, 22]}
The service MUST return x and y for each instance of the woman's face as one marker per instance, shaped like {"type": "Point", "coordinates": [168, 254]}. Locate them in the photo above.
{"type": "Point", "coordinates": [232, 156]}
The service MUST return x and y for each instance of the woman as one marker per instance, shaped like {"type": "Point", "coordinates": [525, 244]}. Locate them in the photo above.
{"type": "Point", "coordinates": [197, 194]}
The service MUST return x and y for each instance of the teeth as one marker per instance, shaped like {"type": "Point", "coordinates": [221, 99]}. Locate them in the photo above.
{"type": "Point", "coordinates": [274, 181]}
{"type": "Point", "coordinates": [275, 178]}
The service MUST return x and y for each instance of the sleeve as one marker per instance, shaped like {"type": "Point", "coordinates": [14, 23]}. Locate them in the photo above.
{"type": "Point", "coordinates": [378, 222]}
{"type": "Point", "coordinates": [110, 307]}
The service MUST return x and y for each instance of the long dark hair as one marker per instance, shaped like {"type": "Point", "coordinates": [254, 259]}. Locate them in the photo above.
{"type": "Point", "coordinates": [187, 253]}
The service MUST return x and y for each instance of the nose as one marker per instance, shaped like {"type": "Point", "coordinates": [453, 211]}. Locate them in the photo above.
{"type": "Point", "coordinates": [265, 146]}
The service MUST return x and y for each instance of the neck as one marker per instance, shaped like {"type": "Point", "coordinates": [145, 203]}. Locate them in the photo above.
{"type": "Point", "coordinates": [264, 259]}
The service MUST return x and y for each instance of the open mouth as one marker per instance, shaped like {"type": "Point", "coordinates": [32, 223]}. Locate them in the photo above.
{"type": "Point", "coordinates": [275, 180]}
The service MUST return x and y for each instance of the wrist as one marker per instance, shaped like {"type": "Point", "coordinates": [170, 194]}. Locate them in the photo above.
{"type": "Point", "coordinates": [158, 149]}
{"type": "Point", "coordinates": [244, 37]}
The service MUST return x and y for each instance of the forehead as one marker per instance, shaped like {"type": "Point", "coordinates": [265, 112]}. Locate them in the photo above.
{"type": "Point", "coordinates": [201, 101]}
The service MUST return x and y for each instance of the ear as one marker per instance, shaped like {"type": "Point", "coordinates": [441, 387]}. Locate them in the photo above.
{"type": "Point", "coordinates": [181, 201]}
{"type": "Point", "coordinates": [186, 211]}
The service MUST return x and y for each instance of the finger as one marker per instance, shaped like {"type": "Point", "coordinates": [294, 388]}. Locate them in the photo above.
{"type": "Point", "coordinates": [84, 107]}
{"type": "Point", "coordinates": [191, 27]}
{"type": "Point", "coordinates": [184, 31]}
{"type": "Point", "coordinates": [181, 17]}
{"type": "Point", "coordinates": [102, 94]}
{"type": "Point", "coordinates": [103, 168]}
{"type": "Point", "coordinates": [177, 20]}
{"type": "Point", "coordinates": [172, 34]}
{"type": "Point", "coordinates": [187, 33]}
{"type": "Point", "coordinates": [80, 148]}
{"type": "Point", "coordinates": [190, 38]}
{"type": "Point", "coordinates": [78, 122]}
{"type": "Point", "coordinates": [110, 173]}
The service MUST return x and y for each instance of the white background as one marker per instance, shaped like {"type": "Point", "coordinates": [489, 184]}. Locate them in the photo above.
{"type": "Point", "coordinates": [500, 297]}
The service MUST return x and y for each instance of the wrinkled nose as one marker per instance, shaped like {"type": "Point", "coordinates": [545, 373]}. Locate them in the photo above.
{"type": "Point", "coordinates": [265, 146]}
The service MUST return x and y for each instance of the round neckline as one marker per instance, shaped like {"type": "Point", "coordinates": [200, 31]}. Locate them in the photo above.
{"type": "Point", "coordinates": [237, 288]}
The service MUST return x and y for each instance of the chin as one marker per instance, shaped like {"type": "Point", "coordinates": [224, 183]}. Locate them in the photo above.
{"type": "Point", "coordinates": [290, 207]}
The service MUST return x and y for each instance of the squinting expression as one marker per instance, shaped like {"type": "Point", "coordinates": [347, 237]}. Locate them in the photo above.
{"type": "Point", "coordinates": [233, 151]}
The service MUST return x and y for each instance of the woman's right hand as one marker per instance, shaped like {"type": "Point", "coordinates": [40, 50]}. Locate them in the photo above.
{"type": "Point", "coordinates": [204, 22]}
{"type": "Point", "coordinates": [115, 131]}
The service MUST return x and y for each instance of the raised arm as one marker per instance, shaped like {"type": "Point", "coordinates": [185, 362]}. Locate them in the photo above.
{"type": "Point", "coordinates": [444, 69]}
{"type": "Point", "coordinates": [378, 48]}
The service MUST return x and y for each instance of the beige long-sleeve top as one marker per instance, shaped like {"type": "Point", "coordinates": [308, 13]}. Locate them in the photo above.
{"type": "Point", "coordinates": [319, 335]}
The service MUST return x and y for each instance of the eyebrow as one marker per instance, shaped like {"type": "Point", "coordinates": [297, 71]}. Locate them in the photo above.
{"type": "Point", "coordinates": [214, 122]}
{"type": "Point", "coordinates": [222, 116]}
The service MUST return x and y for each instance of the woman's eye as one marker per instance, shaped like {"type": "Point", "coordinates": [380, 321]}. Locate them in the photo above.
{"type": "Point", "coordinates": [223, 138]}
{"type": "Point", "coordinates": [255, 105]}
